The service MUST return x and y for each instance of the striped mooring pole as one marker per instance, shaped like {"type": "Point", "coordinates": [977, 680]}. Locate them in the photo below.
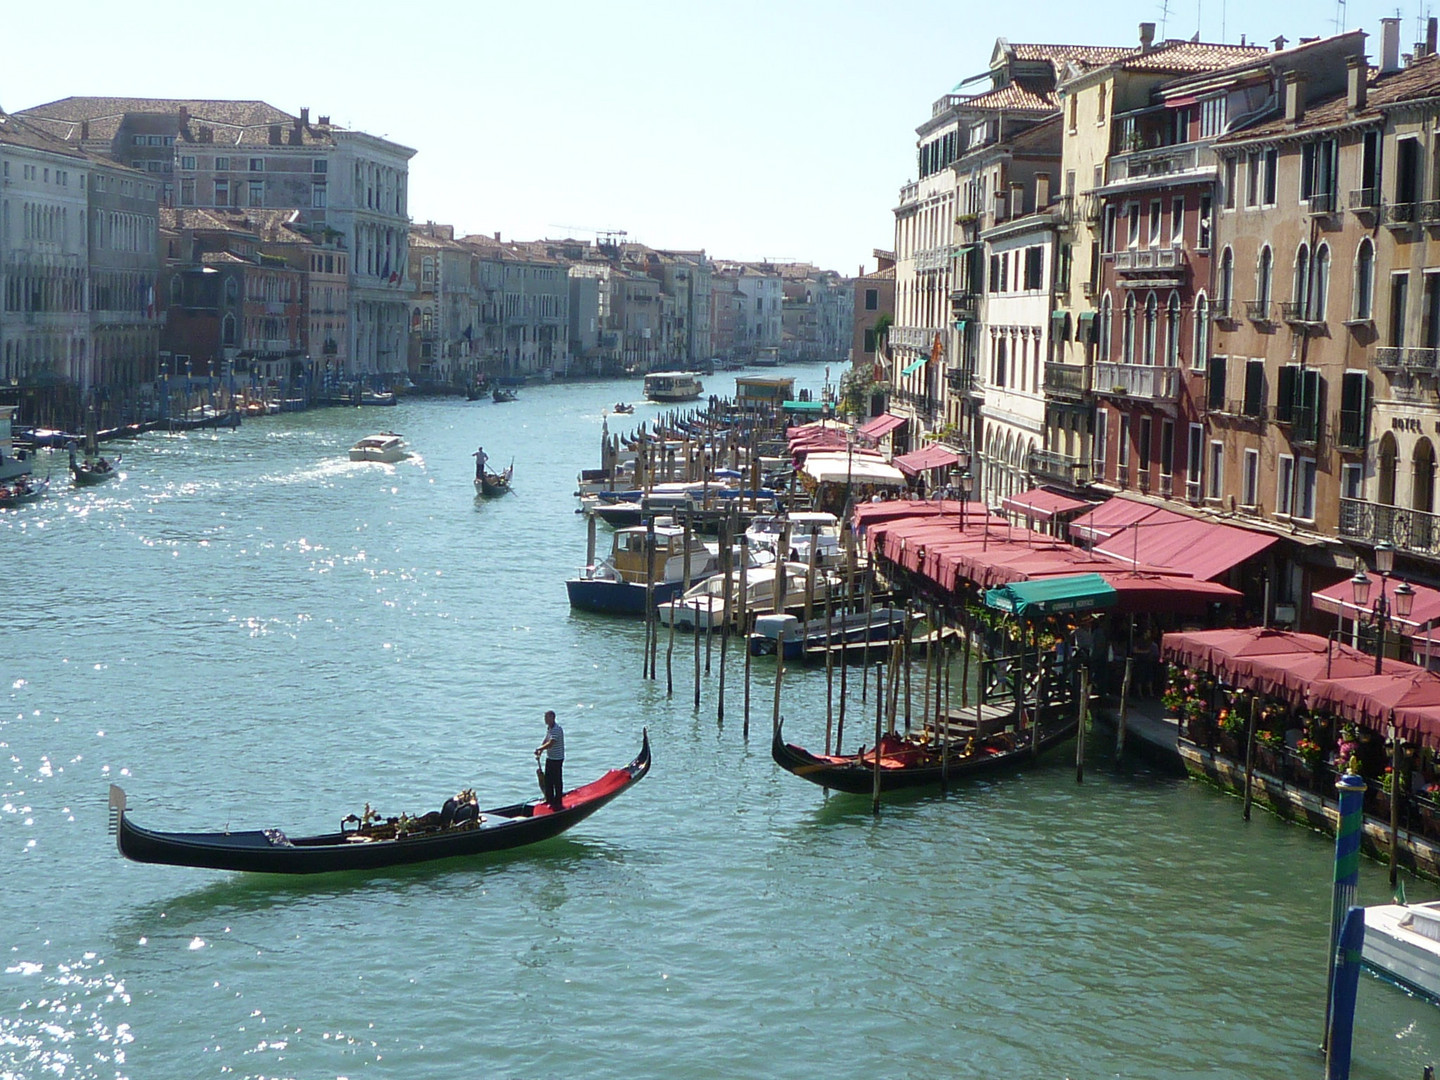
{"type": "Point", "coordinates": [1347, 984]}
{"type": "Point", "coordinates": [1351, 791]}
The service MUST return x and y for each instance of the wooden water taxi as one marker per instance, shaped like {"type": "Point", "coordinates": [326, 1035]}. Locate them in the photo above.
{"type": "Point", "coordinates": [619, 584]}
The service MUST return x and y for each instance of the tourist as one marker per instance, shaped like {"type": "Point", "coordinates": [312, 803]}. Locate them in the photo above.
{"type": "Point", "coordinates": [554, 749]}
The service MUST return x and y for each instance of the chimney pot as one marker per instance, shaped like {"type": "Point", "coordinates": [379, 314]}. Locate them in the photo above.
{"type": "Point", "coordinates": [184, 115]}
{"type": "Point", "coordinates": [1042, 190]}
{"type": "Point", "coordinates": [1017, 198]}
{"type": "Point", "coordinates": [1294, 97]}
{"type": "Point", "coordinates": [324, 121]}
{"type": "Point", "coordinates": [1431, 26]}
{"type": "Point", "coordinates": [497, 236]}
{"type": "Point", "coordinates": [305, 115]}
{"type": "Point", "coordinates": [1147, 36]}
{"type": "Point", "coordinates": [1389, 45]}
{"type": "Point", "coordinates": [1356, 72]}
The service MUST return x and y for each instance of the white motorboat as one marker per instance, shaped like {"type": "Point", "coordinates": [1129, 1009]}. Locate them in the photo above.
{"type": "Point", "coordinates": [766, 531]}
{"type": "Point", "coordinates": [703, 607]}
{"type": "Point", "coordinates": [668, 386]}
{"type": "Point", "coordinates": [11, 467]}
{"type": "Point", "coordinates": [621, 583]}
{"type": "Point", "coordinates": [382, 446]}
{"type": "Point", "coordinates": [1402, 943]}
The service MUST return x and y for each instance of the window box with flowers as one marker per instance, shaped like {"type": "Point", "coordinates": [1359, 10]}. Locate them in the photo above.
{"type": "Point", "coordinates": [1307, 764]}
{"type": "Point", "coordinates": [1270, 751]}
{"type": "Point", "coordinates": [1231, 725]}
{"type": "Point", "coordinates": [1427, 809]}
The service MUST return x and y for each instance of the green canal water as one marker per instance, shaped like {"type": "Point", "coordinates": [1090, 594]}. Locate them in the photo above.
{"type": "Point", "coordinates": [249, 629]}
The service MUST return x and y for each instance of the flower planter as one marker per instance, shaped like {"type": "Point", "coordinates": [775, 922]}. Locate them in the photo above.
{"type": "Point", "coordinates": [1269, 759]}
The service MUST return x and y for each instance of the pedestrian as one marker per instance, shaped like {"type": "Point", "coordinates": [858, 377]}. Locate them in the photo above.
{"type": "Point", "coordinates": [554, 749]}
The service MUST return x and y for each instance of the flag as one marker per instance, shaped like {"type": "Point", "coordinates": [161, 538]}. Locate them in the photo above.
{"type": "Point", "coordinates": [395, 278]}
{"type": "Point", "coordinates": [879, 372]}
{"type": "Point", "coordinates": [936, 349]}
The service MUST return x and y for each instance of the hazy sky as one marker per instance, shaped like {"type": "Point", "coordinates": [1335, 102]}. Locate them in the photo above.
{"type": "Point", "coordinates": [751, 129]}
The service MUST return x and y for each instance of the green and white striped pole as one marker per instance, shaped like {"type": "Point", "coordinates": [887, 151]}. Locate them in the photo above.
{"type": "Point", "coordinates": [1351, 791]}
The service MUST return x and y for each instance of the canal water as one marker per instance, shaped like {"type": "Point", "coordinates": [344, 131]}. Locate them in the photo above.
{"type": "Point", "coordinates": [249, 629]}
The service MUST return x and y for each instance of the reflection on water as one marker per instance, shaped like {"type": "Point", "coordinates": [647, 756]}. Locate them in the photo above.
{"type": "Point", "coordinates": [249, 628]}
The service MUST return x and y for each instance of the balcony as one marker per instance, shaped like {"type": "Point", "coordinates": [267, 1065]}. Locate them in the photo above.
{"type": "Point", "coordinates": [1160, 162]}
{"type": "Point", "coordinates": [1322, 203]}
{"type": "Point", "coordinates": [1298, 314]}
{"type": "Point", "coordinates": [1141, 381]}
{"type": "Point", "coordinates": [1057, 468]}
{"type": "Point", "coordinates": [959, 380]}
{"type": "Point", "coordinates": [910, 193]}
{"type": "Point", "coordinates": [1412, 531]}
{"type": "Point", "coordinates": [1428, 213]}
{"type": "Point", "coordinates": [1087, 207]}
{"type": "Point", "coordinates": [1066, 380]}
{"type": "Point", "coordinates": [1166, 262]}
{"type": "Point", "coordinates": [1352, 431]}
{"type": "Point", "coordinates": [1393, 358]}
{"type": "Point", "coordinates": [1258, 311]}
{"type": "Point", "coordinates": [964, 305]}
{"type": "Point", "coordinates": [1398, 215]}
{"type": "Point", "coordinates": [914, 337]}
{"type": "Point", "coordinates": [1365, 202]}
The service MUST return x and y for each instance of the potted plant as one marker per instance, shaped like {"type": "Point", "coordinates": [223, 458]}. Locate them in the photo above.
{"type": "Point", "coordinates": [1269, 750]}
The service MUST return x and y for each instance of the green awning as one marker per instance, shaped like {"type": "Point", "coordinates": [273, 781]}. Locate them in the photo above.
{"type": "Point", "coordinates": [1085, 330]}
{"type": "Point", "coordinates": [1052, 596]}
{"type": "Point", "coordinates": [803, 406]}
{"type": "Point", "coordinates": [916, 366]}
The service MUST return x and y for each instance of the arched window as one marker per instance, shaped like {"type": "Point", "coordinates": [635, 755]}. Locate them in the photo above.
{"type": "Point", "coordinates": [1227, 282]}
{"type": "Point", "coordinates": [177, 289]}
{"type": "Point", "coordinates": [1365, 280]}
{"type": "Point", "coordinates": [1301, 284]}
{"type": "Point", "coordinates": [1152, 318]}
{"type": "Point", "coordinates": [1127, 331]}
{"type": "Point", "coordinates": [1320, 283]}
{"type": "Point", "coordinates": [232, 290]}
{"type": "Point", "coordinates": [227, 330]}
{"type": "Point", "coordinates": [1172, 331]}
{"type": "Point", "coordinates": [1201, 354]}
{"type": "Point", "coordinates": [1107, 328]}
{"type": "Point", "coordinates": [1263, 273]}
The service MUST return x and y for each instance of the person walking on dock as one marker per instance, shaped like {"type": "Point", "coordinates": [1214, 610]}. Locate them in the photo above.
{"type": "Point", "coordinates": [554, 749]}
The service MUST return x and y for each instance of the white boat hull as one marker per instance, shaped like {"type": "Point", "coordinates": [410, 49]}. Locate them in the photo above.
{"type": "Point", "coordinates": [1403, 944]}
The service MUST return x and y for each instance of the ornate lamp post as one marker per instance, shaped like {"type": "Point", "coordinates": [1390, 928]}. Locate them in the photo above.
{"type": "Point", "coordinates": [1404, 597]}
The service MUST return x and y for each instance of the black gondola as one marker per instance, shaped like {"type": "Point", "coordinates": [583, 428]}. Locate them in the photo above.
{"type": "Point", "coordinates": [493, 485]}
{"type": "Point", "coordinates": [500, 394]}
{"type": "Point", "coordinates": [371, 847]}
{"type": "Point", "coordinates": [913, 762]}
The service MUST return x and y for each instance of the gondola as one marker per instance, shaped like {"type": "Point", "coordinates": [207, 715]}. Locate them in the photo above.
{"type": "Point", "coordinates": [500, 394]}
{"type": "Point", "coordinates": [371, 846]}
{"type": "Point", "coordinates": [907, 762]}
{"type": "Point", "coordinates": [623, 408]}
{"type": "Point", "coordinates": [493, 485]}
{"type": "Point", "coordinates": [92, 470]}
{"type": "Point", "coordinates": [21, 490]}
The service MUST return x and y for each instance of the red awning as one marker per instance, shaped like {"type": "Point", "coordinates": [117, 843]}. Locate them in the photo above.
{"type": "Point", "coordinates": [881, 426]}
{"type": "Point", "coordinates": [933, 456]}
{"type": "Point", "coordinates": [1042, 505]}
{"type": "Point", "coordinates": [1172, 595]}
{"type": "Point", "coordinates": [1308, 670]}
{"type": "Point", "coordinates": [1339, 599]}
{"type": "Point", "coordinates": [1136, 533]}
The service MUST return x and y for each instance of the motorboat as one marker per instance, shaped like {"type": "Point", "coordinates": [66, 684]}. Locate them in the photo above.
{"type": "Point", "coordinates": [766, 532]}
{"type": "Point", "coordinates": [12, 466]}
{"type": "Point", "coordinates": [619, 584]}
{"type": "Point", "coordinates": [378, 397]}
{"type": "Point", "coordinates": [671, 386]}
{"type": "Point", "coordinates": [383, 446]}
{"type": "Point", "coordinates": [844, 634]}
{"type": "Point", "coordinates": [1402, 943]}
{"type": "Point", "coordinates": [703, 607]}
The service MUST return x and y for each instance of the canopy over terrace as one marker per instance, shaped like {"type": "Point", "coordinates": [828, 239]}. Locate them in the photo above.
{"type": "Point", "coordinates": [933, 456]}
{"type": "Point", "coordinates": [1053, 596]}
{"type": "Point", "coordinates": [991, 553]}
{"type": "Point", "coordinates": [1039, 504]}
{"type": "Point", "coordinates": [830, 467]}
{"type": "Point", "coordinates": [1339, 599]}
{"type": "Point", "coordinates": [823, 434]}
{"type": "Point", "coordinates": [882, 425]}
{"type": "Point", "coordinates": [1314, 672]}
{"type": "Point", "coordinates": [1138, 533]}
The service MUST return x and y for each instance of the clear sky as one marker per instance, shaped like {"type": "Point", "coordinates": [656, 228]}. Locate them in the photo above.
{"type": "Point", "coordinates": [751, 128]}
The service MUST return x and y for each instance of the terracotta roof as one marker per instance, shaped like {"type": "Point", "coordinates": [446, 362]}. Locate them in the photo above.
{"type": "Point", "coordinates": [195, 217]}
{"type": "Point", "coordinates": [1013, 96]}
{"type": "Point", "coordinates": [235, 123]}
{"type": "Point", "coordinates": [207, 257]}
{"type": "Point", "coordinates": [14, 131]}
{"type": "Point", "coordinates": [1086, 55]}
{"type": "Point", "coordinates": [1186, 57]}
{"type": "Point", "coordinates": [1420, 80]}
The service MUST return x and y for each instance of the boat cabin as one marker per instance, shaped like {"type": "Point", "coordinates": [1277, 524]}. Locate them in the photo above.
{"type": "Point", "coordinates": [629, 555]}
{"type": "Point", "coordinates": [672, 386]}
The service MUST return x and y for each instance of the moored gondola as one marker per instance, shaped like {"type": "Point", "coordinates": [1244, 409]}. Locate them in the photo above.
{"type": "Point", "coordinates": [918, 761]}
{"type": "Point", "coordinates": [395, 842]}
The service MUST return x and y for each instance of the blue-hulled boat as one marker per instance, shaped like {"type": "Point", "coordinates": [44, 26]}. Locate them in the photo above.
{"type": "Point", "coordinates": [618, 585]}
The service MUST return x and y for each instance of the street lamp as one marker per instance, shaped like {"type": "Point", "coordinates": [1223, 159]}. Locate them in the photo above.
{"type": "Point", "coordinates": [1404, 597]}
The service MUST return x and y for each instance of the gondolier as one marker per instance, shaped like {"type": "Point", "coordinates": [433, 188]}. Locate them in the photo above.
{"type": "Point", "coordinates": [554, 749]}
{"type": "Point", "coordinates": [480, 460]}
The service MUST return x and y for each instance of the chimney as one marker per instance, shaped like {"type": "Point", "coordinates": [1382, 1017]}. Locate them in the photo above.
{"type": "Point", "coordinates": [1294, 97]}
{"type": "Point", "coordinates": [1430, 35]}
{"type": "Point", "coordinates": [1356, 72]}
{"type": "Point", "coordinates": [324, 121]}
{"type": "Point", "coordinates": [497, 236]}
{"type": "Point", "coordinates": [274, 134]}
{"type": "Point", "coordinates": [1042, 190]}
{"type": "Point", "coordinates": [1279, 43]}
{"type": "Point", "coordinates": [1017, 199]}
{"type": "Point", "coordinates": [305, 115]}
{"type": "Point", "coordinates": [1147, 36]}
{"type": "Point", "coordinates": [1389, 45]}
{"type": "Point", "coordinates": [184, 115]}
{"type": "Point", "coordinates": [84, 130]}
{"type": "Point", "coordinates": [1000, 206]}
